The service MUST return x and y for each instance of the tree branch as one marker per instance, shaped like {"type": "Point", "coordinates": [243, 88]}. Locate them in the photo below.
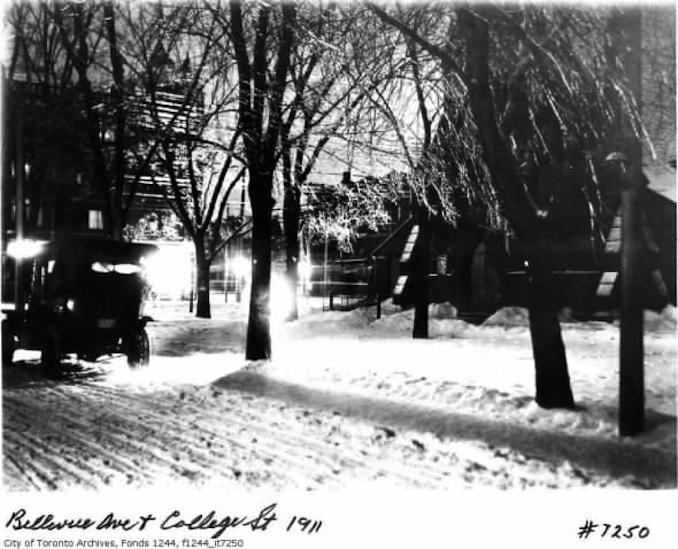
{"type": "Point", "coordinates": [447, 61]}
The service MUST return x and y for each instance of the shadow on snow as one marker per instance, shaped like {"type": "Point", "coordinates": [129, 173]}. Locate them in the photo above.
{"type": "Point", "coordinates": [617, 458]}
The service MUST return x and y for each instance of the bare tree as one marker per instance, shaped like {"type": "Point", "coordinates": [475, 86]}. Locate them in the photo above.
{"type": "Point", "coordinates": [270, 31]}
{"type": "Point", "coordinates": [541, 96]}
{"type": "Point", "coordinates": [419, 112]}
{"type": "Point", "coordinates": [81, 39]}
{"type": "Point", "coordinates": [182, 99]}
{"type": "Point", "coordinates": [334, 72]}
{"type": "Point", "coordinates": [40, 84]}
{"type": "Point", "coordinates": [349, 208]}
{"type": "Point", "coordinates": [92, 41]}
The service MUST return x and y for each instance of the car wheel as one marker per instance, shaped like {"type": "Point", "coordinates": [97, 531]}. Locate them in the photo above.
{"type": "Point", "coordinates": [7, 345]}
{"type": "Point", "coordinates": [51, 352]}
{"type": "Point", "coordinates": [138, 348]}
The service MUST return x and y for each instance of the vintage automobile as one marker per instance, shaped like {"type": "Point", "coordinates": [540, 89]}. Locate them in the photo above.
{"type": "Point", "coordinates": [83, 296]}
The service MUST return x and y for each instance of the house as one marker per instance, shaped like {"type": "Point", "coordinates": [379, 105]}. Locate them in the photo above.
{"type": "Point", "coordinates": [49, 167]}
{"type": "Point", "coordinates": [480, 271]}
{"type": "Point", "coordinates": [658, 218]}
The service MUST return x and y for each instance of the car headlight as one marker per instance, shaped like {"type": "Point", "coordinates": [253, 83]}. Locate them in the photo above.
{"type": "Point", "coordinates": [64, 304]}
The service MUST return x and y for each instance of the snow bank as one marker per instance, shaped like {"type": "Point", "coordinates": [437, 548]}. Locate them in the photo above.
{"type": "Point", "coordinates": [363, 322]}
{"type": "Point", "coordinates": [509, 317]}
{"type": "Point", "coordinates": [664, 321]}
{"type": "Point", "coordinates": [442, 310]}
{"type": "Point", "coordinates": [518, 317]}
{"type": "Point", "coordinates": [399, 323]}
{"type": "Point", "coordinates": [329, 324]}
{"type": "Point", "coordinates": [389, 308]}
{"type": "Point", "coordinates": [348, 397]}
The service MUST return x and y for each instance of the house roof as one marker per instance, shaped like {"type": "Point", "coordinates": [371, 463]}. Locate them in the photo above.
{"type": "Point", "coordinates": [661, 180]}
{"type": "Point", "coordinates": [393, 245]}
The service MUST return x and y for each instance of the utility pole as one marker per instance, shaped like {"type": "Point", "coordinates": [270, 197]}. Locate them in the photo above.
{"type": "Point", "coordinates": [19, 208]}
{"type": "Point", "coordinates": [420, 262]}
{"type": "Point", "coordinates": [631, 355]}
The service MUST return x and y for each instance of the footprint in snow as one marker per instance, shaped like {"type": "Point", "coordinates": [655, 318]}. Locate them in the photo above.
{"type": "Point", "coordinates": [383, 433]}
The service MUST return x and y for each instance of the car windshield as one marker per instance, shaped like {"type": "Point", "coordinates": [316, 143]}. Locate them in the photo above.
{"type": "Point", "coordinates": [120, 268]}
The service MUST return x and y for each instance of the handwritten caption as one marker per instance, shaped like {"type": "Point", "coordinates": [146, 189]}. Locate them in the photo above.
{"type": "Point", "coordinates": [612, 531]}
{"type": "Point", "coordinates": [211, 523]}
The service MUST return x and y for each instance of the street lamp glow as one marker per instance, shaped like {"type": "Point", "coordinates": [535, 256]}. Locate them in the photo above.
{"type": "Point", "coordinates": [305, 270]}
{"type": "Point", "coordinates": [168, 271]}
{"type": "Point", "coordinates": [23, 249]}
{"type": "Point", "coordinates": [281, 297]}
{"type": "Point", "coordinates": [240, 266]}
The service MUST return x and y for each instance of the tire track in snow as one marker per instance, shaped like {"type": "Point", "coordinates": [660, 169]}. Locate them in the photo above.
{"type": "Point", "coordinates": [206, 433]}
{"type": "Point", "coordinates": [305, 448]}
{"type": "Point", "coordinates": [46, 467]}
{"type": "Point", "coordinates": [97, 452]}
{"type": "Point", "coordinates": [117, 435]}
{"type": "Point", "coordinates": [297, 453]}
{"type": "Point", "coordinates": [333, 458]}
{"type": "Point", "coordinates": [623, 459]}
{"type": "Point", "coordinates": [278, 444]}
{"type": "Point", "coordinates": [18, 475]}
{"type": "Point", "coordinates": [372, 465]}
{"type": "Point", "coordinates": [150, 421]}
{"type": "Point", "coordinates": [272, 442]}
{"type": "Point", "coordinates": [169, 424]}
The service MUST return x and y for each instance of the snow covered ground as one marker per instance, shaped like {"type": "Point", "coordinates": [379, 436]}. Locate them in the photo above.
{"type": "Point", "coordinates": [348, 400]}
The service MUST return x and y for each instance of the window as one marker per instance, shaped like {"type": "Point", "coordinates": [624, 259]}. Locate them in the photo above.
{"type": "Point", "coordinates": [96, 220]}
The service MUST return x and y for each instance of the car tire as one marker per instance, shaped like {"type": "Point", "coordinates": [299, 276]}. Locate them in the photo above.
{"type": "Point", "coordinates": [138, 348]}
{"type": "Point", "coordinates": [51, 352]}
{"type": "Point", "coordinates": [8, 345]}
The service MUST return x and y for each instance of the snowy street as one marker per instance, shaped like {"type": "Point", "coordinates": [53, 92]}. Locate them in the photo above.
{"type": "Point", "coordinates": [348, 400]}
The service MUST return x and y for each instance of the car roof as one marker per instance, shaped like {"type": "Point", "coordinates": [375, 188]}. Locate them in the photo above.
{"type": "Point", "coordinates": [99, 249]}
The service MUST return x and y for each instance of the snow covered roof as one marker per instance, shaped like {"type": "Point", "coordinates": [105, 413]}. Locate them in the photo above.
{"type": "Point", "coordinates": [338, 157]}
{"type": "Point", "coordinates": [393, 245]}
{"type": "Point", "coordinates": [661, 180]}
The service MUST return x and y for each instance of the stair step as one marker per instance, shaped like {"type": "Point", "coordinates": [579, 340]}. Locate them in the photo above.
{"type": "Point", "coordinates": [400, 285]}
{"type": "Point", "coordinates": [409, 244]}
{"type": "Point", "coordinates": [606, 285]}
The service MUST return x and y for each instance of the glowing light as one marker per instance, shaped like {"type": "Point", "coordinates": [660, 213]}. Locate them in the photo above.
{"type": "Point", "coordinates": [23, 249]}
{"type": "Point", "coordinates": [281, 298]}
{"type": "Point", "coordinates": [120, 268]}
{"type": "Point", "coordinates": [305, 270]}
{"type": "Point", "coordinates": [127, 268]}
{"type": "Point", "coordinates": [240, 266]}
{"type": "Point", "coordinates": [169, 270]}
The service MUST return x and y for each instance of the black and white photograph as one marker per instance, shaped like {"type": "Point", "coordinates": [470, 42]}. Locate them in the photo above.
{"type": "Point", "coordinates": [307, 246]}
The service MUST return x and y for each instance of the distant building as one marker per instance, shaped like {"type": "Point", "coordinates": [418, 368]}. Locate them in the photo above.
{"type": "Point", "coordinates": [46, 133]}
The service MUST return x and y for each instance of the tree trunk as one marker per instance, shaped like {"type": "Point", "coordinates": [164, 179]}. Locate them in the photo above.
{"type": "Point", "coordinates": [114, 226]}
{"type": "Point", "coordinates": [120, 118]}
{"type": "Point", "coordinates": [552, 378]}
{"type": "Point", "coordinates": [468, 239]}
{"type": "Point", "coordinates": [626, 29]}
{"type": "Point", "coordinates": [420, 268]}
{"type": "Point", "coordinates": [202, 269]}
{"type": "Point", "coordinates": [258, 326]}
{"type": "Point", "coordinates": [291, 214]}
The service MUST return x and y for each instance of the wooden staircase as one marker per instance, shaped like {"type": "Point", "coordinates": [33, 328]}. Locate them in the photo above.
{"type": "Point", "coordinates": [609, 276]}
{"type": "Point", "coordinates": [402, 289]}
